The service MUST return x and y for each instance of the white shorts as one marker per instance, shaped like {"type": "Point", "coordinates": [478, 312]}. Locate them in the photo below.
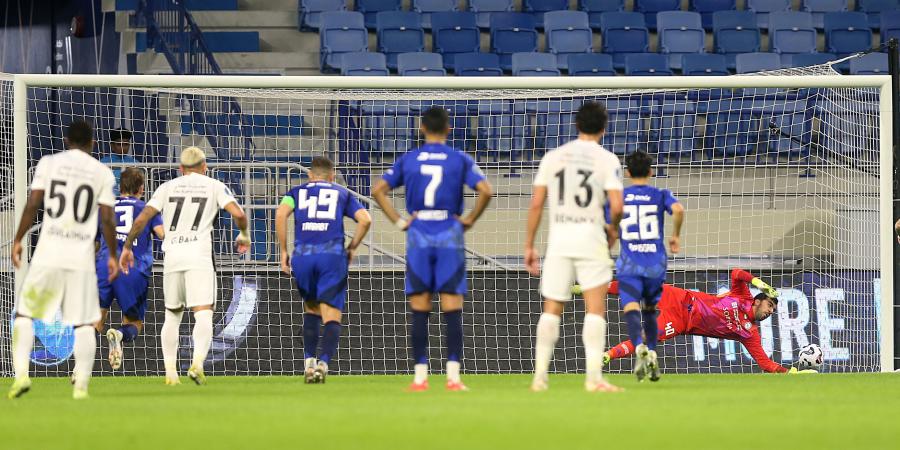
{"type": "Point", "coordinates": [189, 288]}
{"type": "Point", "coordinates": [46, 290]}
{"type": "Point", "coordinates": [559, 273]}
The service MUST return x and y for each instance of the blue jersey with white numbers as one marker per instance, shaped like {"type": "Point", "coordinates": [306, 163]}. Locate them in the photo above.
{"type": "Point", "coordinates": [434, 176]}
{"type": "Point", "coordinates": [643, 251]}
{"type": "Point", "coordinates": [319, 211]}
{"type": "Point", "coordinates": [127, 209]}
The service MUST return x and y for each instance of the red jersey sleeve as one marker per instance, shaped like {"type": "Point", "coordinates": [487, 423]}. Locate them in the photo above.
{"type": "Point", "coordinates": [753, 345]}
{"type": "Point", "coordinates": [739, 283]}
{"type": "Point", "coordinates": [614, 288]}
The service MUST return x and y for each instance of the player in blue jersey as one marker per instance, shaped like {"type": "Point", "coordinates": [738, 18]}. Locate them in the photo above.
{"type": "Point", "coordinates": [128, 290]}
{"type": "Point", "coordinates": [434, 176]}
{"type": "Point", "coordinates": [641, 266]}
{"type": "Point", "coordinates": [320, 262]}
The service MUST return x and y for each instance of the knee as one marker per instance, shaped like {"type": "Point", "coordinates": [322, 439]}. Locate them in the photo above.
{"type": "Point", "coordinates": [631, 306]}
{"type": "Point", "coordinates": [649, 309]}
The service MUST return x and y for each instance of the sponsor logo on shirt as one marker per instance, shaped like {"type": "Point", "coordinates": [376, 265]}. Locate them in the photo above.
{"type": "Point", "coordinates": [637, 197]}
{"type": "Point", "coordinates": [431, 156]}
{"type": "Point", "coordinates": [76, 235]}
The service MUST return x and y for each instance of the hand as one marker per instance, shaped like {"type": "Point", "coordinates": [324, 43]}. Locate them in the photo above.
{"type": "Point", "coordinates": [897, 230]}
{"type": "Point", "coordinates": [532, 263]}
{"type": "Point", "coordinates": [675, 244]}
{"type": "Point", "coordinates": [612, 235]}
{"type": "Point", "coordinates": [17, 254]}
{"type": "Point", "coordinates": [242, 242]}
{"type": "Point", "coordinates": [285, 263]}
{"type": "Point", "coordinates": [126, 260]}
{"type": "Point", "coordinates": [764, 288]}
{"type": "Point", "coordinates": [112, 266]}
{"type": "Point", "coordinates": [351, 252]}
{"type": "Point", "coordinates": [466, 222]}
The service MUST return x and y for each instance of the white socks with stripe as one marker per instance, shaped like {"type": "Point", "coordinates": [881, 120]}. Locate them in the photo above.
{"type": "Point", "coordinates": [85, 351]}
{"type": "Point", "coordinates": [169, 337]}
{"type": "Point", "coordinates": [203, 332]}
{"type": "Point", "coordinates": [22, 343]}
{"type": "Point", "coordinates": [593, 335]}
{"type": "Point", "coordinates": [547, 335]}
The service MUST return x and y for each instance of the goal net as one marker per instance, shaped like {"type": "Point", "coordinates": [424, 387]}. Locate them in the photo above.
{"type": "Point", "coordinates": [780, 174]}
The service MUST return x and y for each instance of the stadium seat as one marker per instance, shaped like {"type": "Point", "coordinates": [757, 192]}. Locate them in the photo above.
{"type": "Point", "coordinates": [704, 64]}
{"type": "Point", "coordinates": [533, 64]}
{"type": "Point", "coordinates": [591, 65]}
{"type": "Point", "coordinates": [341, 32]}
{"type": "Point", "coordinates": [498, 131]}
{"type": "Point", "coordinates": [706, 8]}
{"type": "Point", "coordinates": [890, 25]}
{"type": "Point", "coordinates": [624, 33]}
{"type": "Point", "coordinates": [567, 32]}
{"type": "Point", "coordinates": [763, 8]}
{"type": "Point", "coordinates": [647, 64]}
{"type": "Point", "coordinates": [731, 130]}
{"type": "Point", "coordinates": [757, 62]}
{"type": "Point", "coordinates": [735, 32]}
{"type": "Point", "coordinates": [364, 64]}
{"type": "Point", "coordinates": [453, 33]}
{"type": "Point", "coordinates": [512, 33]}
{"type": "Point", "coordinates": [625, 129]}
{"type": "Point", "coordinates": [818, 9]}
{"type": "Point", "coordinates": [420, 64]}
{"type": "Point", "coordinates": [477, 65]}
{"type": "Point", "coordinates": [399, 32]}
{"type": "Point", "coordinates": [370, 8]}
{"type": "Point", "coordinates": [537, 8]}
{"type": "Point", "coordinates": [680, 32]}
{"type": "Point", "coordinates": [874, 9]}
{"type": "Point", "coordinates": [651, 7]}
{"type": "Point", "coordinates": [792, 32]}
{"type": "Point", "coordinates": [388, 127]}
{"type": "Point", "coordinates": [426, 7]}
{"type": "Point", "coordinates": [484, 8]}
{"type": "Point", "coordinates": [847, 32]}
{"type": "Point", "coordinates": [310, 16]}
{"type": "Point", "coordinates": [595, 8]}
{"type": "Point", "coordinates": [871, 64]}
{"type": "Point", "coordinates": [672, 123]}
{"type": "Point", "coordinates": [807, 59]}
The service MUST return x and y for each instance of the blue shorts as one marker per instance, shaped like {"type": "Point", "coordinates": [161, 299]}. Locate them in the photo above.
{"type": "Point", "coordinates": [640, 289]}
{"type": "Point", "coordinates": [436, 262]}
{"type": "Point", "coordinates": [321, 278]}
{"type": "Point", "coordinates": [129, 291]}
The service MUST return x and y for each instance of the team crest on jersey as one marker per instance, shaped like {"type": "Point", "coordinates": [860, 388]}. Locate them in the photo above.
{"type": "Point", "coordinates": [747, 325]}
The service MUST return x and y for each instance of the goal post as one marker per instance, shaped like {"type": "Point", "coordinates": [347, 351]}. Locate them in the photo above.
{"type": "Point", "coordinates": [500, 336]}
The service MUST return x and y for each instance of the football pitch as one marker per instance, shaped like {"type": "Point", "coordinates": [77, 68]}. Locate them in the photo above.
{"type": "Point", "coordinates": [374, 412]}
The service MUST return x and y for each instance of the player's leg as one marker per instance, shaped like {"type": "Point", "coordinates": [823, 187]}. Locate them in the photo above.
{"type": "Point", "coordinates": [631, 291]}
{"type": "Point", "coordinates": [331, 336]}
{"type": "Point", "coordinates": [594, 277]}
{"type": "Point", "coordinates": [332, 295]}
{"type": "Point", "coordinates": [557, 276]}
{"type": "Point", "coordinates": [22, 345]}
{"type": "Point", "coordinates": [451, 282]}
{"type": "Point", "coordinates": [173, 291]}
{"type": "Point", "coordinates": [200, 296]}
{"type": "Point", "coordinates": [652, 294]}
{"type": "Point", "coordinates": [419, 288]}
{"type": "Point", "coordinates": [131, 294]}
{"type": "Point", "coordinates": [81, 310]}
{"type": "Point", "coordinates": [100, 326]}
{"type": "Point", "coordinates": [312, 322]}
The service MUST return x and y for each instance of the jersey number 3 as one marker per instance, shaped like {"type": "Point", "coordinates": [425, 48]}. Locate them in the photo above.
{"type": "Point", "coordinates": [644, 216]}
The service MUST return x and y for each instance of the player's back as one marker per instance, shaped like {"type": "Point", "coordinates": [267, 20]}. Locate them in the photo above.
{"type": "Point", "coordinates": [127, 209]}
{"type": "Point", "coordinates": [319, 211]}
{"type": "Point", "coordinates": [643, 252]}
{"type": "Point", "coordinates": [74, 183]}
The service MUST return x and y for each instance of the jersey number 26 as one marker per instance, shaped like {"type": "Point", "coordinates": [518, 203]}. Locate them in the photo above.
{"type": "Point", "coordinates": [644, 216]}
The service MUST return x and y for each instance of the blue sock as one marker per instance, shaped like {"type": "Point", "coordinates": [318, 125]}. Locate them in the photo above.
{"type": "Point", "coordinates": [453, 320]}
{"type": "Point", "coordinates": [129, 332]}
{"type": "Point", "coordinates": [651, 329]}
{"type": "Point", "coordinates": [330, 339]}
{"type": "Point", "coordinates": [633, 324]}
{"type": "Point", "coordinates": [311, 324]}
{"type": "Point", "coordinates": [420, 336]}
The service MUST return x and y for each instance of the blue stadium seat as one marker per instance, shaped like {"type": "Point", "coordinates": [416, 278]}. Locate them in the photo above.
{"type": "Point", "coordinates": [706, 8]}
{"type": "Point", "coordinates": [847, 32]}
{"type": "Point", "coordinates": [388, 127]}
{"type": "Point", "coordinates": [567, 33]}
{"type": "Point", "coordinates": [672, 123]}
{"type": "Point", "coordinates": [624, 33]}
{"type": "Point", "coordinates": [735, 32]}
{"type": "Point", "coordinates": [512, 33]}
{"type": "Point", "coordinates": [399, 32]}
{"type": "Point", "coordinates": [732, 126]}
{"type": "Point", "coordinates": [625, 129]}
{"type": "Point", "coordinates": [871, 64]}
{"type": "Point", "coordinates": [647, 64]}
{"type": "Point", "coordinates": [890, 25]}
{"type": "Point", "coordinates": [792, 32]}
{"type": "Point", "coordinates": [370, 8]}
{"type": "Point", "coordinates": [310, 16]}
{"type": "Point", "coordinates": [498, 131]}
{"type": "Point", "coordinates": [651, 7]}
{"type": "Point", "coordinates": [704, 64]}
{"type": "Point", "coordinates": [477, 65]}
{"type": "Point", "coordinates": [680, 32]}
{"type": "Point", "coordinates": [341, 32]}
{"type": "Point", "coordinates": [818, 8]}
{"type": "Point", "coordinates": [763, 8]}
{"type": "Point", "coordinates": [420, 64]}
{"type": "Point", "coordinates": [453, 33]}
{"type": "Point", "coordinates": [874, 9]}
{"type": "Point", "coordinates": [484, 8]}
{"type": "Point", "coordinates": [533, 64]}
{"type": "Point", "coordinates": [807, 59]}
{"type": "Point", "coordinates": [595, 8]}
{"type": "Point", "coordinates": [426, 7]}
{"type": "Point", "coordinates": [364, 63]}
{"type": "Point", "coordinates": [757, 62]}
{"type": "Point", "coordinates": [591, 65]}
{"type": "Point", "coordinates": [537, 8]}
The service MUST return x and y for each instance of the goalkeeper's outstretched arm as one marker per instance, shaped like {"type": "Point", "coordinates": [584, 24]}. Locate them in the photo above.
{"type": "Point", "coordinates": [754, 347]}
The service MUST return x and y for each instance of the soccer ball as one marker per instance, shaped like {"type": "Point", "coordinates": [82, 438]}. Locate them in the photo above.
{"type": "Point", "coordinates": [810, 357]}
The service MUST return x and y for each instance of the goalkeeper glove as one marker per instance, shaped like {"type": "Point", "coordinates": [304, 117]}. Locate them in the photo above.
{"type": "Point", "coordinates": [795, 371]}
{"type": "Point", "coordinates": [765, 288]}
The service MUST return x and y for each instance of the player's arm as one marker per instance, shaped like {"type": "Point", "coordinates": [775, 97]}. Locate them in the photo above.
{"type": "Point", "coordinates": [677, 222]}
{"type": "Point", "coordinates": [240, 219]}
{"type": "Point", "coordinates": [363, 223]}
{"type": "Point", "coordinates": [35, 200]}
{"type": "Point", "coordinates": [160, 232]}
{"type": "Point", "coordinates": [897, 230]}
{"type": "Point", "coordinates": [535, 211]}
{"type": "Point", "coordinates": [616, 207]}
{"type": "Point", "coordinates": [108, 224]}
{"type": "Point", "coordinates": [740, 278]}
{"type": "Point", "coordinates": [485, 192]}
{"type": "Point", "coordinates": [380, 194]}
{"type": "Point", "coordinates": [753, 345]}
{"type": "Point", "coordinates": [126, 259]}
{"type": "Point", "coordinates": [281, 220]}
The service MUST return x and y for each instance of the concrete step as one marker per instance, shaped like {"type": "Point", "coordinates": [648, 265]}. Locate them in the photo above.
{"type": "Point", "coordinates": [216, 20]}
{"type": "Point", "coordinates": [253, 63]}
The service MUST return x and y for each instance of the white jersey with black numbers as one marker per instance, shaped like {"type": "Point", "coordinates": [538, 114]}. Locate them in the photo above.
{"type": "Point", "coordinates": [189, 205]}
{"type": "Point", "coordinates": [577, 176]}
{"type": "Point", "coordinates": [74, 184]}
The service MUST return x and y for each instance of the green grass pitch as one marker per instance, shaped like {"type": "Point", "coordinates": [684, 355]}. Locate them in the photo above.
{"type": "Point", "coordinates": [373, 412]}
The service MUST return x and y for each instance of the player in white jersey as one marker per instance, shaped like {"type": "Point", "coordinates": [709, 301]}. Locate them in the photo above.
{"type": "Point", "coordinates": [189, 205]}
{"type": "Point", "coordinates": [578, 178]}
{"type": "Point", "coordinates": [72, 186]}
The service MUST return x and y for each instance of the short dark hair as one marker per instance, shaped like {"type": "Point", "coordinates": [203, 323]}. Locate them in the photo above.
{"type": "Point", "coordinates": [120, 135]}
{"type": "Point", "coordinates": [321, 165]}
{"type": "Point", "coordinates": [761, 296]}
{"type": "Point", "coordinates": [131, 181]}
{"type": "Point", "coordinates": [638, 164]}
{"type": "Point", "coordinates": [436, 120]}
{"type": "Point", "coordinates": [80, 135]}
{"type": "Point", "coordinates": [591, 118]}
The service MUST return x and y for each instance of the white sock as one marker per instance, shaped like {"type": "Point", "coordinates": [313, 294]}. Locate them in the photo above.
{"type": "Point", "coordinates": [421, 373]}
{"type": "Point", "coordinates": [593, 335]}
{"type": "Point", "coordinates": [547, 335]}
{"type": "Point", "coordinates": [453, 371]}
{"type": "Point", "coordinates": [22, 343]}
{"type": "Point", "coordinates": [309, 363]}
{"type": "Point", "coordinates": [169, 337]}
{"type": "Point", "coordinates": [85, 350]}
{"type": "Point", "coordinates": [203, 331]}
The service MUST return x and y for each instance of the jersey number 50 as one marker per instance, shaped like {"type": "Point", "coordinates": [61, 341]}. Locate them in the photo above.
{"type": "Point", "coordinates": [644, 216]}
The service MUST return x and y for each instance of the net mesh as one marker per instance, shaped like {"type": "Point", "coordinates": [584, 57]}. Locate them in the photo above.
{"type": "Point", "coordinates": [780, 182]}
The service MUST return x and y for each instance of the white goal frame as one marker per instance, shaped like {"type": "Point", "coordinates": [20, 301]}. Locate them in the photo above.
{"type": "Point", "coordinates": [21, 84]}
